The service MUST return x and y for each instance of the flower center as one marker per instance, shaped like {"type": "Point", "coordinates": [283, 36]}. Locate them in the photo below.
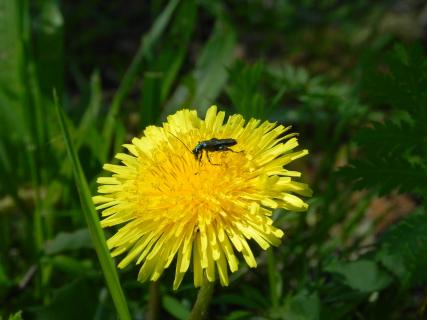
{"type": "Point", "coordinates": [175, 177]}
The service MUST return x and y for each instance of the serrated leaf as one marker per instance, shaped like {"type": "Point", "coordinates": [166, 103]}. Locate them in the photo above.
{"type": "Point", "coordinates": [395, 152]}
{"type": "Point", "coordinates": [403, 83]}
{"type": "Point", "coordinates": [385, 175]}
{"type": "Point", "coordinates": [389, 139]}
{"type": "Point", "coordinates": [403, 249]}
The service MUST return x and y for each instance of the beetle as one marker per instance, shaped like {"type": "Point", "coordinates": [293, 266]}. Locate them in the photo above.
{"type": "Point", "coordinates": [211, 145]}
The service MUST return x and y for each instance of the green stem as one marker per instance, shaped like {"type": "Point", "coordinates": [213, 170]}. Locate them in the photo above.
{"type": "Point", "coordinates": [204, 298]}
{"type": "Point", "coordinates": [153, 302]}
{"type": "Point", "coordinates": [272, 277]}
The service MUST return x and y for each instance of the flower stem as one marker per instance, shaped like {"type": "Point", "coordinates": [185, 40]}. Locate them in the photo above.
{"type": "Point", "coordinates": [153, 302]}
{"type": "Point", "coordinates": [203, 300]}
{"type": "Point", "coordinates": [272, 278]}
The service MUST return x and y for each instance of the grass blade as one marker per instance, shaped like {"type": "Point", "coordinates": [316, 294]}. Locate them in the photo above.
{"type": "Point", "coordinates": [48, 42]}
{"type": "Point", "coordinates": [211, 69]}
{"type": "Point", "coordinates": [163, 68]}
{"type": "Point", "coordinates": [144, 49]}
{"type": "Point", "coordinates": [91, 217]}
{"type": "Point", "coordinates": [150, 101]}
{"type": "Point", "coordinates": [87, 132]}
{"type": "Point", "coordinates": [210, 75]}
{"type": "Point", "coordinates": [13, 95]}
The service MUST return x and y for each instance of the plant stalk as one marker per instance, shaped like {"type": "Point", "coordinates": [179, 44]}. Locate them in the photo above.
{"type": "Point", "coordinates": [203, 301]}
{"type": "Point", "coordinates": [153, 302]}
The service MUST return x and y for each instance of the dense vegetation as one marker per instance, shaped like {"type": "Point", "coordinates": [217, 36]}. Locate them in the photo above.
{"type": "Point", "coordinates": [351, 78]}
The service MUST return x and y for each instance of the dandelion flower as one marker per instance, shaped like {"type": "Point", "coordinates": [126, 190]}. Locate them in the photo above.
{"type": "Point", "coordinates": [173, 208]}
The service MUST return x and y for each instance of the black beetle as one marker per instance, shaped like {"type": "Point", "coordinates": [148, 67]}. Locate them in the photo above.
{"type": "Point", "coordinates": [211, 145]}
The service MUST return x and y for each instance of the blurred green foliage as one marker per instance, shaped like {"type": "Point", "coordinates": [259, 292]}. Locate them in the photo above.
{"type": "Point", "coordinates": [351, 77]}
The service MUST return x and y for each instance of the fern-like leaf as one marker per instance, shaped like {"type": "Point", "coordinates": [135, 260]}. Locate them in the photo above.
{"type": "Point", "coordinates": [392, 139]}
{"type": "Point", "coordinates": [403, 249]}
{"type": "Point", "coordinates": [394, 152]}
{"type": "Point", "coordinates": [403, 81]}
{"type": "Point", "coordinates": [386, 175]}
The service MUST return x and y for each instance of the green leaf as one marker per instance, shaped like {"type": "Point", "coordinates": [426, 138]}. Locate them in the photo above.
{"type": "Point", "coordinates": [175, 308]}
{"type": "Point", "coordinates": [235, 299]}
{"type": "Point", "coordinates": [385, 174]}
{"type": "Point", "coordinates": [183, 28]}
{"type": "Point", "coordinates": [144, 49]}
{"type": "Point", "coordinates": [91, 217]}
{"type": "Point", "coordinates": [8, 167]}
{"type": "Point", "coordinates": [403, 83]}
{"type": "Point", "coordinates": [13, 97]}
{"type": "Point", "coordinates": [76, 300]}
{"type": "Point", "coordinates": [16, 316]}
{"type": "Point", "coordinates": [90, 117]}
{"type": "Point", "coordinates": [391, 139]}
{"type": "Point", "coordinates": [49, 47]}
{"type": "Point", "coordinates": [303, 306]}
{"type": "Point", "coordinates": [87, 133]}
{"type": "Point", "coordinates": [162, 69]}
{"type": "Point", "coordinates": [4, 280]}
{"type": "Point", "coordinates": [245, 90]}
{"type": "Point", "coordinates": [150, 102]}
{"type": "Point", "coordinates": [68, 241]}
{"type": "Point", "coordinates": [72, 266]}
{"type": "Point", "coordinates": [395, 152]}
{"type": "Point", "coordinates": [362, 275]}
{"type": "Point", "coordinates": [403, 249]}
{"type": "Point", "coordinates": [200, 89]}
{"type": "Point", "coordinates": [238, 315]}
{"type": "Point", "coordinates": [211, 69]}
{"type": "Point", "coordinates": [248, 298]}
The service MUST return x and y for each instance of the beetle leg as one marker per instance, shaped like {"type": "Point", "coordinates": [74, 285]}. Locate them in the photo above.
{"type": "Point", "coordinates": [228, 149]}
{"type": "Point", "coordinates": [214, 164]}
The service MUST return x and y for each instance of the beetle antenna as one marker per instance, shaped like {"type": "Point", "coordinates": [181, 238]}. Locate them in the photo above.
{"type": "Point", "coordinates": [181, 142]}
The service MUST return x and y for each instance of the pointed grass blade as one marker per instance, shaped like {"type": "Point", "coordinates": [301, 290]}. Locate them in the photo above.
{"type": "Point", "coordinates": [91, 217]}
{"type": "Point", "coordinates": [163, 68]}
{"type": "Point", "coordinates": [145, 49]}
{"type": "Point", "coordinates": [13, 93]}
{"type": "Point", "coordinates": [48, 39]}
{"type": "Point", "coordinates": [201, 88]}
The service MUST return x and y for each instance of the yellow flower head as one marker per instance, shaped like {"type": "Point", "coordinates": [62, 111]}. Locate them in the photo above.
{"type": "Point", "coordinates": [170, 203]}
